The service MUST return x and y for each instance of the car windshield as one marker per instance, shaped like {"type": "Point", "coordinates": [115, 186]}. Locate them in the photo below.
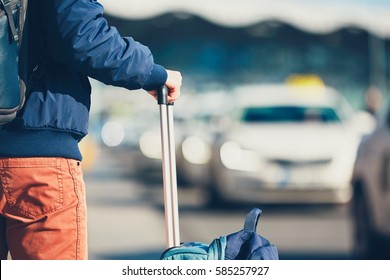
{"type": "Point", "coordinates": [289, 114]}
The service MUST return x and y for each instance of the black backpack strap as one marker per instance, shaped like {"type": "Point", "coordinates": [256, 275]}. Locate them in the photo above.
{"type": "Point", "coordinates": [252, 219]}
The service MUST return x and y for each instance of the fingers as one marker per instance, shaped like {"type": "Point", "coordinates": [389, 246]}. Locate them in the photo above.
{"type": "Point", "coordinates": [153, 93]}
{"type": "Point", "coordinates": [173, 83]}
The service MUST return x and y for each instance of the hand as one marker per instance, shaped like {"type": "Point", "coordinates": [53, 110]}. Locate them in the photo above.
{"type": "Point", "coordinates": [173, 83]}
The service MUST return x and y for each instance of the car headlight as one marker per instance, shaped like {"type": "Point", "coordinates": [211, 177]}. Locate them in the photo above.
{"type": "Point", "coordinates": [236, 158]}
{"type": "Point", "coordinates": [112, 134]}
{"type": "Point", "coordinates": [341, 167]}
{"type": "Point", "coordinates": [150, 145]}
{"type": "Point", "coordinates": [195, 150]}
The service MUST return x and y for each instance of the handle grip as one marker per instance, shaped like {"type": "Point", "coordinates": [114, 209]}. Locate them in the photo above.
{"type": "Point", "coordinates": [162, 95]}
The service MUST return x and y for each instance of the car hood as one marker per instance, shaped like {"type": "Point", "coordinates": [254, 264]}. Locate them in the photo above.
{"type": "Point", "coordinates": [302, 142]}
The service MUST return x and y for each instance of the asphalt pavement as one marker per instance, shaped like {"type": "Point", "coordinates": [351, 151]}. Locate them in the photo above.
{"type": "Point", "coordinates": [126, 218]}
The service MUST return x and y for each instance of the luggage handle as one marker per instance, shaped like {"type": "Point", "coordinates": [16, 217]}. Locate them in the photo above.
{"type": "Point", "coordinates": [171, 207]}
{"type": "Point", "coordinates": [162, 96]}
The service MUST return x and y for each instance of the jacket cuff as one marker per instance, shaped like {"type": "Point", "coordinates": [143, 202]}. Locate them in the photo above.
{"type": "Point", "coordinates": [158, 77]}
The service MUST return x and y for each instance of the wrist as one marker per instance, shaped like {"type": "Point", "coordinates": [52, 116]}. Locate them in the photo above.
{"type": "Point", "coordinates": [158, 77]}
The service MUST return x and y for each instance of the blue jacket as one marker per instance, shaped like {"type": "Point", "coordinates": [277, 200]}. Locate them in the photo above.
{"type": "Point", "coordinates": [69, 41]}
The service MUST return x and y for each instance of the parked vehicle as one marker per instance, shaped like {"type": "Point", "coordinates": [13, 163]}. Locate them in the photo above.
{"type": "Point", "coordinates": [198, 132]}
{"type": "Point", "coordinates": [286, 144]}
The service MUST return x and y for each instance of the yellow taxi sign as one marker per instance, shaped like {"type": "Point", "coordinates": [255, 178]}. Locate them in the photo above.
{"type": "Point", "coordinates": [305, 81]}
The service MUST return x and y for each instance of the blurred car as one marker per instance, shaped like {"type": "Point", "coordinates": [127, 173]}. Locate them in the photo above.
{"type": "Point", "coordinates": [286, 144]}
{"type": "Point", "coordinates": [371, 194]}
{"type": "Point", "coordinates": [198, 129]}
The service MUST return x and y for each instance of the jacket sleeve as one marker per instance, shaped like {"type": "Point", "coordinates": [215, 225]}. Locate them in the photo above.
{"type": "Point", "coordinates": [79, 35]}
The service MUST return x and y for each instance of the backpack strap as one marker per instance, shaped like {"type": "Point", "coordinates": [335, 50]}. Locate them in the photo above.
{"type": "Point", "coordinates": [252, 219]}
{"type": "Point", "coordinates": [8, 10]}
{"type": "Point", "coordinates": [246, 244]}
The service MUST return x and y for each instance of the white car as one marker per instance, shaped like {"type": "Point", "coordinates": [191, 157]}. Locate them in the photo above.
{"type": "Point", "coordinates": [286, 144]}
{"type": "Point", "coordinates": [371, 196]}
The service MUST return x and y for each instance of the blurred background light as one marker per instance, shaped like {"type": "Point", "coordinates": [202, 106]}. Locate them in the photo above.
{"type": "Point", "coordinates": [112, 133]}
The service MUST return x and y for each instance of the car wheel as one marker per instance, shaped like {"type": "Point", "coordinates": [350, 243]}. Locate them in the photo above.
{"type": "Point", "coordinates": [364, 237]}
{"type": "Point", "coordinates": [213, 197]}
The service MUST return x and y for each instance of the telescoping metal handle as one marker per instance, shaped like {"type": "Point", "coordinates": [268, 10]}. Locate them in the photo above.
{"type": "Point", "coordinates": [169, 168]}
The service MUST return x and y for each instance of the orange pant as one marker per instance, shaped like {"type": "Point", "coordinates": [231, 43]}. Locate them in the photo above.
{"type": "Point", "coordinates": [42, 209]}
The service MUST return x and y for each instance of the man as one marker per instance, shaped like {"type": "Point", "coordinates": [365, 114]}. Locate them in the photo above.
{"type": "Point", "coordinates": [42, 194]}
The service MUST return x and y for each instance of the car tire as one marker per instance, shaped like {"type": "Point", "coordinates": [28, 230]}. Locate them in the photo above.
{"type": "Point", "coordinates": [367, 243]}
{"type": "Point", "coordinates": [213, 197]}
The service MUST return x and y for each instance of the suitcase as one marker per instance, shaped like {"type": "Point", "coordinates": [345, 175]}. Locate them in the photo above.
{"type": "Point", "coordinates": [244, 244]}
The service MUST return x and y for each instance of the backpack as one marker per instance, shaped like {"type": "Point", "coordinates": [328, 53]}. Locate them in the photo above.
{"type": "Point", "coordinates": [245, 244]}
{"type": "Point", "coordinates": [12, 86]}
